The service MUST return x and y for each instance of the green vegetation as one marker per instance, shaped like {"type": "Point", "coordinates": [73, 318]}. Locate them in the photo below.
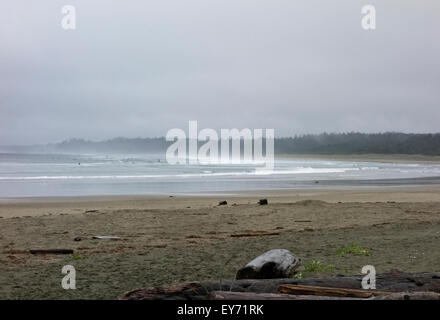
{"type": "Point", "coordinates": [353, 249]}
{"type": "Point", "coordinates": [299, 275]}
{"type": "Point", "coordinates": [317, 266]}
{"type": "Point", "coordinates": [77, 256]}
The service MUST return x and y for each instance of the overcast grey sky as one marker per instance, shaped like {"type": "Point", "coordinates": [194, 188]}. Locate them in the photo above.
{"type": "Point", "coordinates": [139, 68]}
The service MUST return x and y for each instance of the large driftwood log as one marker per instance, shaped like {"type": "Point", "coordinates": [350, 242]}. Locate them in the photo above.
{"type": "Point", "coordinates": [181, 291]}
{"type": "Point", "coordinates": [329, 291]}
{"type": "Point", "coordinates": [403, 285]}
{"type": "Point", "coordinates": [273, 264]}
{"type": "Point", "coordinates": [226, 295]}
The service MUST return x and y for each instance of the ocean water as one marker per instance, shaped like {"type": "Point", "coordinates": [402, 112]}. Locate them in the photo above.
{"type": "Point", "coordinates": [35, 175]}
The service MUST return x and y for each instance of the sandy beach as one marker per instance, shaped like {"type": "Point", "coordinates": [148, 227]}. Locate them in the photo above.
{"type": "Point", "coordinates": [173, 239]}
{"type": "Point", "coordinates": [151, 143]}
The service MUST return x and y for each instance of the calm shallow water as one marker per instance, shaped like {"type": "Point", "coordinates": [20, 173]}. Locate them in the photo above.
{"type": "Point", "coordinates": [24, 175]}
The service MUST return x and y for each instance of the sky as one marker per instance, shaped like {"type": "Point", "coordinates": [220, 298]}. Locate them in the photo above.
{"type": "Point", "coordinates": [140, 68]}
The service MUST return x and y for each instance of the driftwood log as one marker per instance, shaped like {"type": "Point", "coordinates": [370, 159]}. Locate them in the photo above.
{"type": "Point", "coordinates": [273, 264]}
{"type": "Point", "coordinates": [329, 291]}
{"type": "Point", "coordinates": [107, 237]}
{"type": "Point", "coordinates": [227, 295]}
{"type": "Point", "coordinates": [254, 234]}
{"type": "Point", "coordinates": [424, 295]}
{"type": "Point", "coordinates": [51, 251]}
{"type": "Point", "coordinates": [403, 285]}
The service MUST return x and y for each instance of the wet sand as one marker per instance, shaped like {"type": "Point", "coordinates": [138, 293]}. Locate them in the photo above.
{"type": "Point", "coordinates": [166, 240]}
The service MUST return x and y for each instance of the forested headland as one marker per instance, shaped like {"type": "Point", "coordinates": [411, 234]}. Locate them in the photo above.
{"type": "Point", "coordinates": [325, 144]}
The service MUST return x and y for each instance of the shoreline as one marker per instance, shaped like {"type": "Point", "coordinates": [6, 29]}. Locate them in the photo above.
{"type": "Point", "coordinates": [368, 157]}
{"type": "Point", "coordinates": [41, 206]}
{"type": "Point", "coordinates": [375, 157]}
{"type": "Point", "coordinates": [294, 175]}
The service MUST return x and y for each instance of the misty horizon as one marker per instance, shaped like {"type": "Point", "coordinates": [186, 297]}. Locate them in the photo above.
{"type": "Point", "coordinates": [325, 143]}
{"type": "Point", "coordinates": [140, 70]}
{"type": "Point", "coordinates": [163, 137]}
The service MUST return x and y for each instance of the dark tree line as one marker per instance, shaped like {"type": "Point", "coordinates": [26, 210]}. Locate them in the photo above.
{"type": "Point", "coordinates": [361, 143]}
{"type": "Point", "coordinates": [335, 143]}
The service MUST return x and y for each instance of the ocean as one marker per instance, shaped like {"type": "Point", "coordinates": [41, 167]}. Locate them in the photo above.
{"type": "Point", "coordinates": [46, 175]}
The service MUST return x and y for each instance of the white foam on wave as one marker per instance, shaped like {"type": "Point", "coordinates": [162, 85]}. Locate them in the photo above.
{"type": "Point", "coordinates": [205, 173]}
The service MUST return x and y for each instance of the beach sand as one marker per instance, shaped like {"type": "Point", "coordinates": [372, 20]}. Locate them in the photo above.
{"type": "Point", "coordinates": [189, 238]}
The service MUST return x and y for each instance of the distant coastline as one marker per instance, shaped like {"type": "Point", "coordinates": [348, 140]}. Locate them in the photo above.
{"type": "Point", "coordinates": [352, 143]}
{"type": "Point", "coordinates": [373, 157]}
